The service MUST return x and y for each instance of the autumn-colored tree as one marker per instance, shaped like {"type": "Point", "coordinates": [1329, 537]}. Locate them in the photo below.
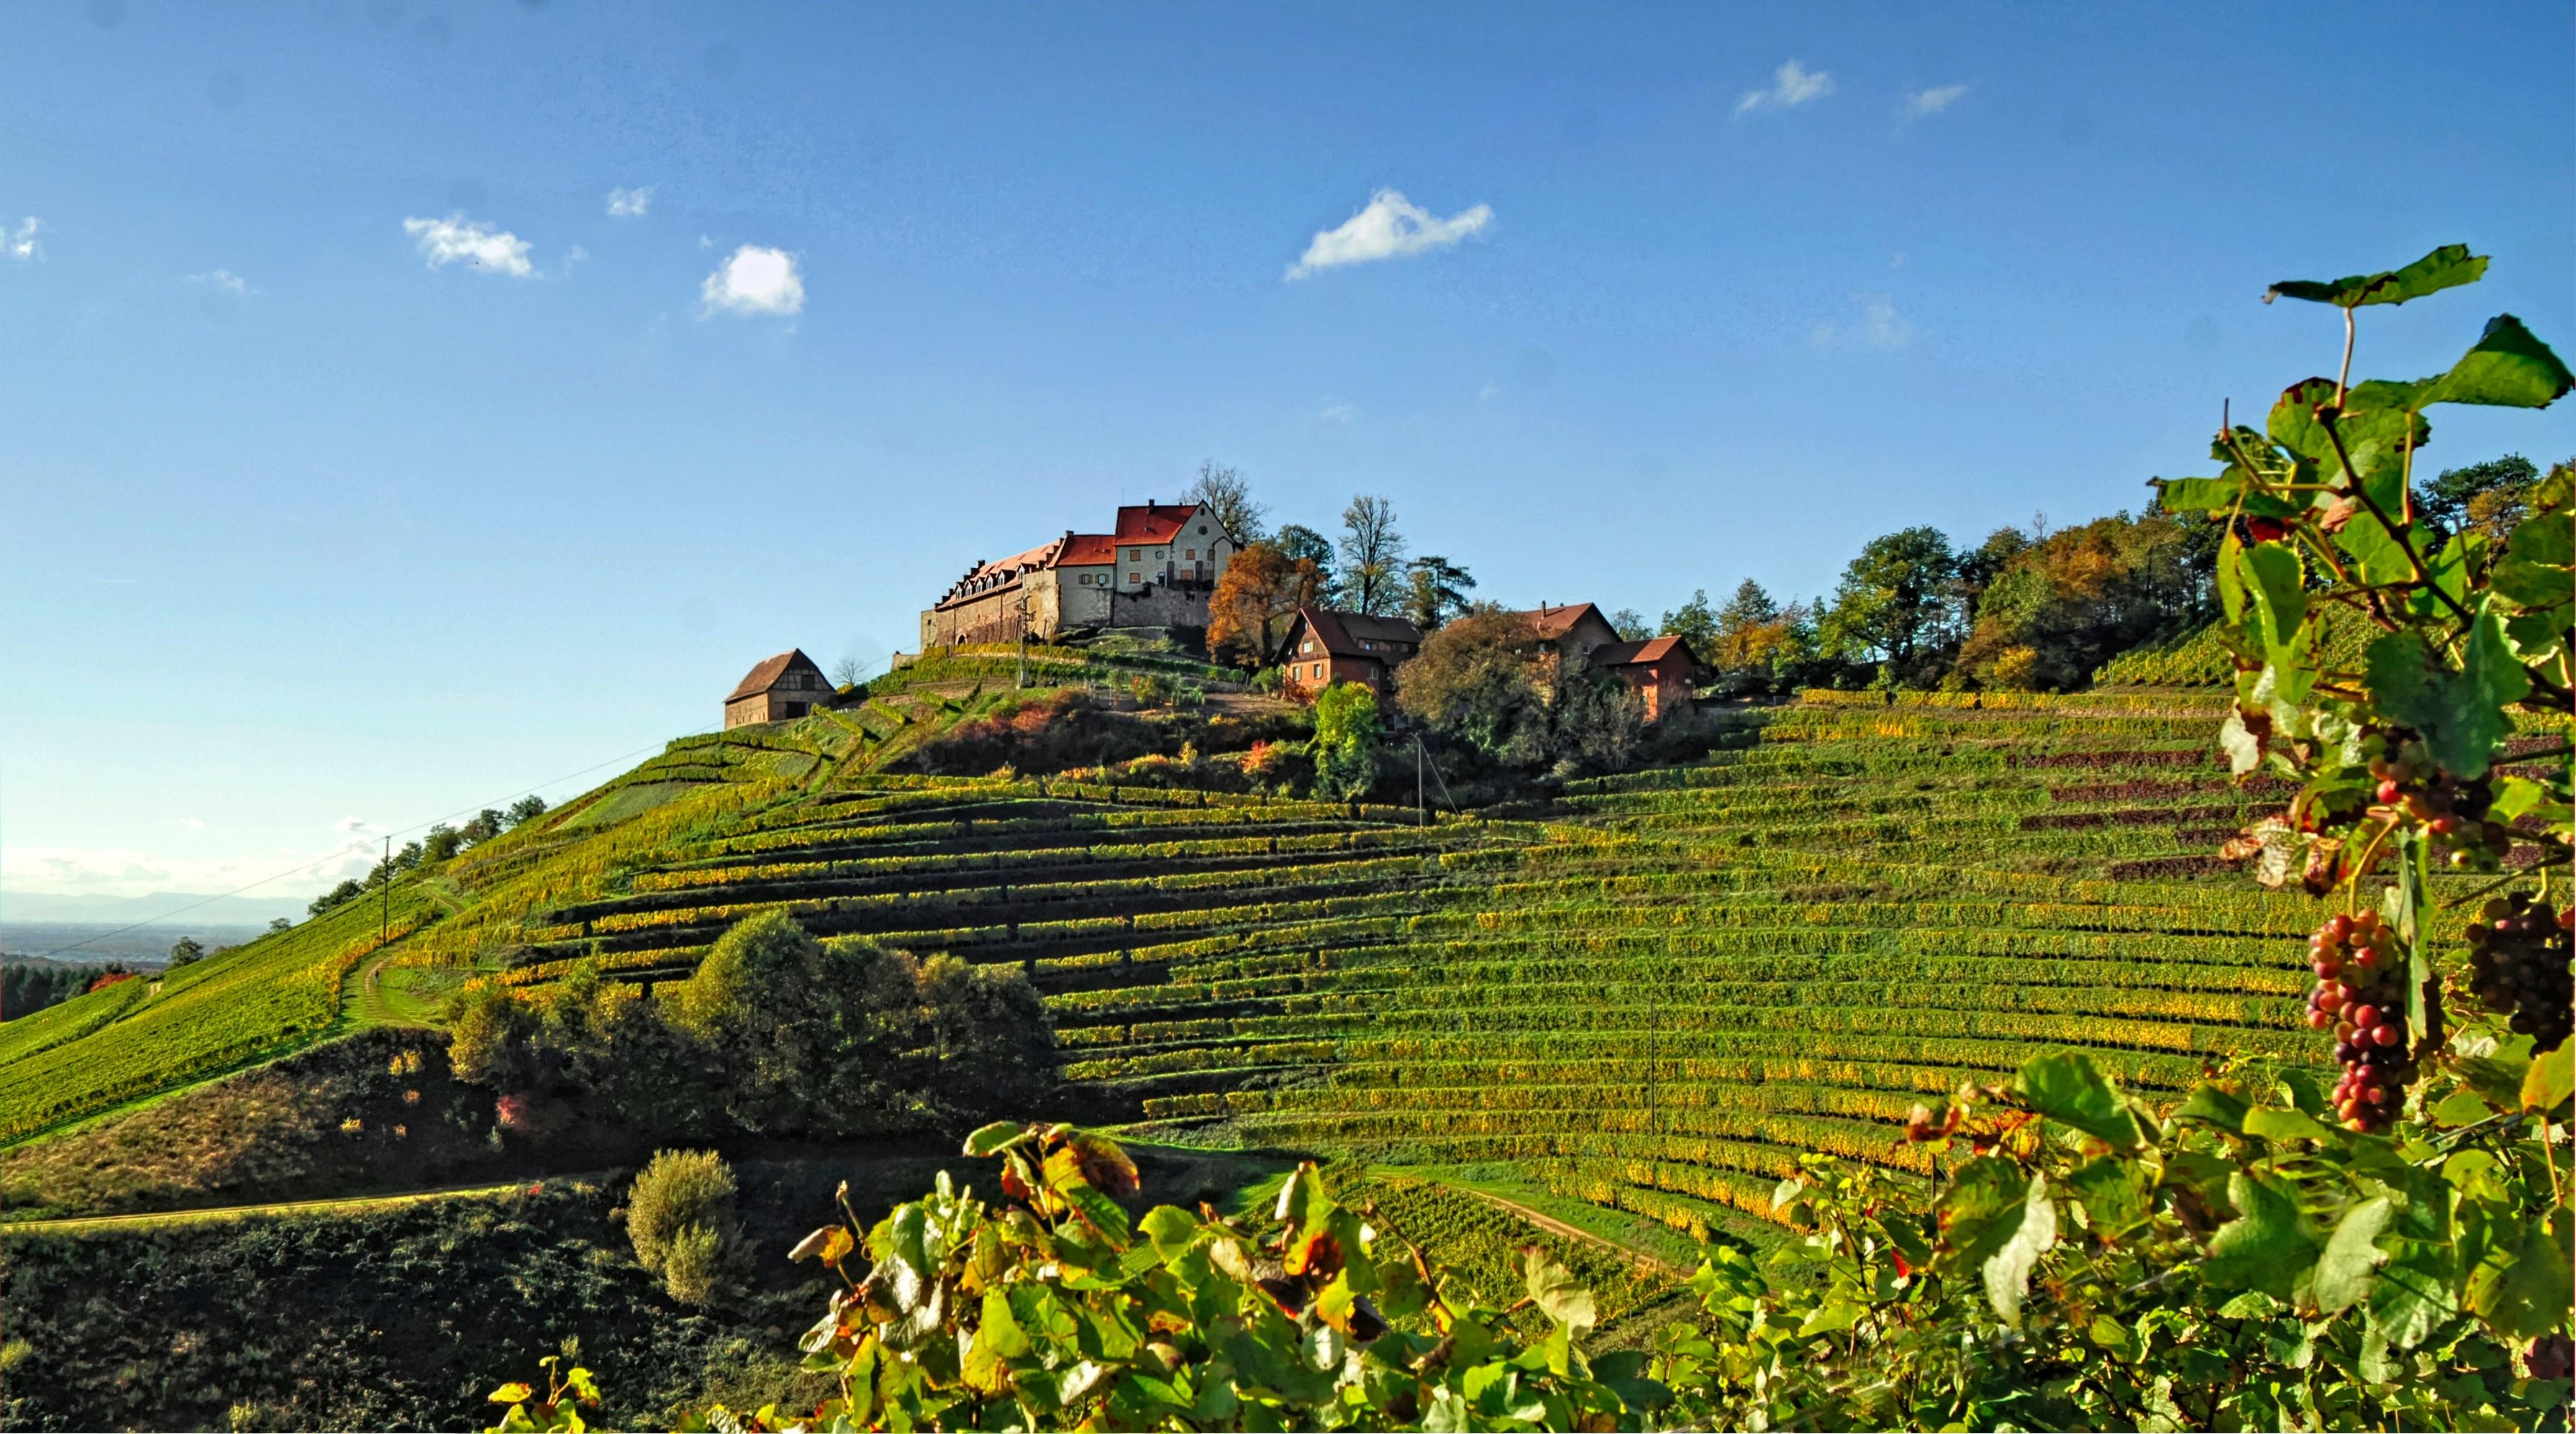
{"type": "Point", "coordinates": [1254, 602]}
{"type": "Point", "coordinates": [2061, 607]}
{"type": "Point", "coordinates": [1473, 681]}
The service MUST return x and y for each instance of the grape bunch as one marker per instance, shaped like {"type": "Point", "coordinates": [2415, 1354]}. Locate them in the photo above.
{"type": "Point", "coordinates": [2552, 1356]}
{"type": "Point", "coordinates": [2518, 955]}
{"type": "Point", "coordinates": [2361, 994]}
{"type": "Point", "coordinates": [2453, 811]}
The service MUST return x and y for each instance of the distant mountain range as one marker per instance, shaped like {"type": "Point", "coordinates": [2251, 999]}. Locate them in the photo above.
{"type": "Point", "coordinates": [155, 908]}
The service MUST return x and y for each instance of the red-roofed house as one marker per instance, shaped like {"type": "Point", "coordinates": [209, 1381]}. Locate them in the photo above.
{"type": "Point", "coordinates": [1572, 630]}
{"type": "Point", "coordinates": [1169, 543]}
{"type": "Point", "coordinates": [1325, 647]}
{"type": "Point", "coordinates": [778, 689]}
{"type": "Point", "coordinates": [1660, 668]}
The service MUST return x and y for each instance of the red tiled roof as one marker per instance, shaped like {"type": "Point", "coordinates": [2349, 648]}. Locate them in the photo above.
{"type": "Point", "coordinates": [766, 673]}
{"type": "Point", "coordinates": [1082, 550]}
{"type": "Point", "coordinates": [1153, 522]}
{"type": "Point", "coordinates": [1343, 632]}
{"type": "Point", "coordinates": [1653, 649]}
{"type": "Point", "coordinates": [1552, 623]}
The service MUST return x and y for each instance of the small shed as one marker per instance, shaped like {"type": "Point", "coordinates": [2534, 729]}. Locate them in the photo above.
{"type": "Point", "coordinates": [1660, 668]}
{"type": "Point", "coordinates": [779, 689]}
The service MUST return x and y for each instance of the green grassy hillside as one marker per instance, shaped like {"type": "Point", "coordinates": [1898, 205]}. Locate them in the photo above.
{"type": "Point", "coordinates": [1650, 994]}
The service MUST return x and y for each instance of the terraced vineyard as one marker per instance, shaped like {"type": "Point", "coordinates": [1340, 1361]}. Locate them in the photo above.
{"type": "Point", "coordinates": [1651, 994]}
{"type": "Point", "coordinates": [1659, 996]}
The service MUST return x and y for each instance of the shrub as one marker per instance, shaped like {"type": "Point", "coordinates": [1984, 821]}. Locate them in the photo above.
{"type": "Point", "coordinates": [1150, 689]}
{"type": "Point", "coordinates": [693, 1267]}
{"type": "Point", "coordinates": [1347, 727]}
{"type": "Point", "coordinates": [680, 1216]}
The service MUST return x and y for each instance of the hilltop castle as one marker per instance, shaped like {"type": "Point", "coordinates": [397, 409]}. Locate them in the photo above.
{"type": "Point", "coordinates": [1156, 567]}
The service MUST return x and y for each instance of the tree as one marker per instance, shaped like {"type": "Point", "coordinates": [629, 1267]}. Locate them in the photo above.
{"type": "Point", "coordinates": [186, 951]}
{"type": "Point", "coordinates": [2489, 497]}
{"type": "Point", "coordinates": [1896, 605]}
{"type": "Point", "coordinates": [340, 895]}
{"type": "Point", "coordinates": [1980, 566]}
{"type": "Point", "coordinates": [441, 842]}
{"type": "Point", "coordinates": [847, 672]}
{"type": "Point", "coordinates": [1347, 730]}
{"type": "Point", "coordinates": [2056, 610]}
{"type": "Point", "coordinates": [532, 806]}
{"type": "Point", "coordinates": [1472, 681]}
{"type": "Point", "coordinates": [1599, 719]}
{"type": "Point", "coordinates": [408, 857]}
{"type": "Point", "coordinates": [1631, 625]}
{"type": "Point", "coordinates": [1435, 591]}
{"type": "Point", "coordinates": [1301, 544]}
{"type": "Point", "coordinates": [492, 1042]}
{"type": "Point", "coordinates": [1256, 599]}
{"type": "Point", "coordinates": [486, 825]}
{"type": "Point", "coordinates": [279, 923]}
{"type": "Point", "coordinates": [1372, 556]}
{"type": "Point", "coordinates": [1222, 494]}
{"type": "Point", "coordinates": [803, 1037]}
{"type": "Point", "coordinates": [1747, 639]}
{"type": "Point", "coordinates": [1696, 624]}
{"type": "Point", "coordinates": [990, 1035]}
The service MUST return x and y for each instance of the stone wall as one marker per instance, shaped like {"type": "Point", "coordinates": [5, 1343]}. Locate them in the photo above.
{"type": "Point", "coordinates": [1158, 605]}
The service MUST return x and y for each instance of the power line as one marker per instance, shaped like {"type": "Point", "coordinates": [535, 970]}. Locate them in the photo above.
{"type": "Point", "coordinates": [343, 854]}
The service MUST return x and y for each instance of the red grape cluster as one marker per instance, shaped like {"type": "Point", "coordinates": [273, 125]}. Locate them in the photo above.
{"type": "Point", "coordinates": [2552, 1356]}
{"type": "Point", "coordinates": [2454, 811]}
{"type": "Point", "coordinates": [2518, 955]}
{"type": "Point", "coordinates": [2361, 993]}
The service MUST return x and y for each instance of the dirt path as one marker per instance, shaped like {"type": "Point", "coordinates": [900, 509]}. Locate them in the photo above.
{"type": "Point", "coordinates": [85, 1224]}
{"type": "Point", "coordinates": [1554, 1226]}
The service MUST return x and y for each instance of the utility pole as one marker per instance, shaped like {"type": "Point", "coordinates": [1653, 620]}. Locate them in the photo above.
{"type": "Point", "coordinates": [1421, 804]}
{"type": "Point", "coordinates": [385, 916]}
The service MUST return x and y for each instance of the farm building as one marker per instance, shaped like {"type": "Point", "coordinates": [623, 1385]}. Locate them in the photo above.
{"type": "Point", "coordinates": [1660, 668]}
{"type": "Point", "coordinates": [1325, 647]}
{"type": "Point", "coordinates": [778, 689]}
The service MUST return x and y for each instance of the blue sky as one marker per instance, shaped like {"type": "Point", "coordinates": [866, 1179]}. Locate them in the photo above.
{"type": "Point", "coordinates": [316, 527]}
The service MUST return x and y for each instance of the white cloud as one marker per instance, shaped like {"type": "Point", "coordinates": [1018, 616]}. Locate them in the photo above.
{"type": "Point", "coordinates": [1490, 389]}
{"type": "Point", "coordinates": [352, 824]}
{"type": "Point", "coordinates": [1931, 102]}
{"type": "Point", "coordinates": [223, 281]}
{"type": "Point", "coordinates": [124, 871]}
{"type": "Point", "coordinates": [21, 243]}
{"type": "Point", "coordinates": [755, 281]}
{"type": "Point", "coordinates": [1878, 325]}
{"type": "Point", "coordinates": [1336, 414]}
{"type": "Point", "coordinates": [630, 203]}
{"type": "Point", "coordinates": [1390, 226]}
{"type": "Point", "coordinates": [1791, 84]}
{"type": "Point", "coordinates": [458, 239]}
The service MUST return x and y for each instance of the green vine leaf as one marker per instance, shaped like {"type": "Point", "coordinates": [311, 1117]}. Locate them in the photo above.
{"type": "Point", "coordinates": [2352, 1256]}
{"type": "Point", "coordinates": [2264, 1248]}
{"type": "Point", "coordinates": [2065, 1087]}
{"type": "Point", "coordinates": [2508, 368]}
{"type": "Point", "coordinates": [2447, 267]}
